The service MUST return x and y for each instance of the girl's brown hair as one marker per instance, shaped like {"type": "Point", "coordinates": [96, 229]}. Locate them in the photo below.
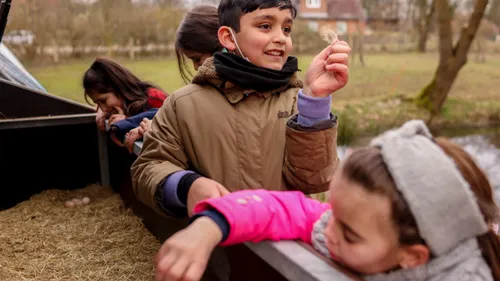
{"type": "Point", "coordinates": [198, 33]}
{"type": "Point", "coordinates": [107, 76]}
{"type": "Point", "coordinates": [366, 167]}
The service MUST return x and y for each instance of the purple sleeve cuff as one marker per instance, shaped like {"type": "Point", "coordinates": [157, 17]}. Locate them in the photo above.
{"type": "Point", "coordinates": [313, 110]}
{"type": "Point", "coordinates": [170, 189]}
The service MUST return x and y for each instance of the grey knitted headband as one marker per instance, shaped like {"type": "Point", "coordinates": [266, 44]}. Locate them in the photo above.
{"type": "Point", "coordinates": [438, 196]}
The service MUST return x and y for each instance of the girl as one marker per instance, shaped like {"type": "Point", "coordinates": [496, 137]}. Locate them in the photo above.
{"type": "Point", "coordinates": [409, 207]}
{"type": "Point", "coordinates": [118, 93]}
{"type": "Point", "coordinates": [197, 38]}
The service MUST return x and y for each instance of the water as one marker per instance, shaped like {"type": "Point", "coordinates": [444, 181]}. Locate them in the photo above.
{"type": "Point", "coordinates": [487, 155]}
{"type": "Point", "coordinates": [484, 146]}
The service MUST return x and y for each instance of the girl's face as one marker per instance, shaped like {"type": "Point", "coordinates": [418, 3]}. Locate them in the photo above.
{"type": "Point", "coordinates": [360, 235]}
{"type": "Point", "coordinates": [197, 57]}
{"type": "Point", "coordinates": [106, 101]}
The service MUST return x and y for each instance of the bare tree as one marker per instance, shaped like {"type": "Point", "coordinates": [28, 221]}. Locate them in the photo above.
{"type": "Point", "coordinates": [425, 16]}
{"type": "Point", "coordinates": [486, 30]}
{"type": "Point", "coordinates": [72, 21]}
{"type": "Point", "coordinates": [166, 3]}
{"type": "Point", "coordinates": [494, 12]}
{"type": "Point", "coordinates": [451, 57]}
{"type": "Point", "coordinates": [90, 25]}
{"type": "Point", "coordinates": [359, 40]}
{"type": "Point", "coordinates": [33, 15]}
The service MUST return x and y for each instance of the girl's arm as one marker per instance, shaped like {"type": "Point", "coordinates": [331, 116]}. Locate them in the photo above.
{"type": "Point", "coordinates": [251, 215]}
{"type": "Point", "coordinates": [256, 215]}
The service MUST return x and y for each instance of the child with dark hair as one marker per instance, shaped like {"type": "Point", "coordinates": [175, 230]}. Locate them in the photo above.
{"type": "Point", "coordinates": [119, 94]}
{"type": "Point", "coordinates": [197, 38]}
{"type": "Point", "coordinates": [196, 41]}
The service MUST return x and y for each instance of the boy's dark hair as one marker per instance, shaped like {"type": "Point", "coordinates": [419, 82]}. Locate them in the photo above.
{"type": "Point", "coordinates": [197, 32]}
{"type": "Point", "coordinates": [230, 11]}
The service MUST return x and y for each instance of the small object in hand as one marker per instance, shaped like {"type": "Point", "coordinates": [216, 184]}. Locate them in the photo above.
{"type": "Point", "coordinates": [328, 34]}
{"type": "Point", "coordinates": [85, 200]}
{"type": "Point", "coordinates": [77, 202]}
{"type": "Point", "coordinates": [69, 204]}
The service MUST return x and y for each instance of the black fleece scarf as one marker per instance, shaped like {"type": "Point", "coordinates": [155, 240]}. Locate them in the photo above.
{"type": "Point", "coordinates": [236, 69]}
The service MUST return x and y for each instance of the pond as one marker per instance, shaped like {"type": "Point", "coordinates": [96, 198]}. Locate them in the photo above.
{"type": "Point", "coordinates": [482, 144]}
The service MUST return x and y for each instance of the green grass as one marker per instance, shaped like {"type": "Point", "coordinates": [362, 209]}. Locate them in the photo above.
{"type": "Point", "coordinates": [384, 75]}
{"type": "Point", "coordinates": [375, 98]}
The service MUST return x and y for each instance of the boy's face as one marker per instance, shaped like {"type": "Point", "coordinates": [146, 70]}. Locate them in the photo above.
{"type": "Point", "coordinates": [264, 37]}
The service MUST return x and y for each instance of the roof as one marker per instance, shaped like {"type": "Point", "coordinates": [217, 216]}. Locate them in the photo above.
{"type": "Point", "coordinates": [345, 9]}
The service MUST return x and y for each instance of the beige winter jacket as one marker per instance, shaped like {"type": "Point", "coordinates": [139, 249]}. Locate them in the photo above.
{"type": "Point", "coordinates": [237, 137]}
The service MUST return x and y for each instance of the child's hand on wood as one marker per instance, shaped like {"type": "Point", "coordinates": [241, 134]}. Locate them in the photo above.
{"type": "Point", "coordinates": [184, 256]}
{"type": "Point", "coordinates": [145, 126]}
{"type": "Point", "coordinates": [328, 71]}
{"type": "Point", "coordinates": [131, 137]}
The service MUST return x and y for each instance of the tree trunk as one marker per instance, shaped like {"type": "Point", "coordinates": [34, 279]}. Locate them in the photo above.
{"type": "Point", "coordinates": [480, 53]}
{"type": "Point", "coordinates": [360, 32]}
{"type": "Point", "coordinates": [361, 47]}
{"type": "Point", "coordinates": [451, 58]}
{"type": "Point", "coordinates": [494, 12]}
{"type": "Point", "coordinates": [352, 41]}
{"type": "Point", "coordinates": [424, 24]}
{"type": "Point", "coordinates": [131, 51]}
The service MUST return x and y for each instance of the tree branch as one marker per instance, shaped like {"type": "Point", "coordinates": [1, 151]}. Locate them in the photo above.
{"type": "Point", "coordinates": [428, 18]}
{"type": "Point", "coordinates": [445, 34]}
{"type": "Point", "coordinates": [469, 32]}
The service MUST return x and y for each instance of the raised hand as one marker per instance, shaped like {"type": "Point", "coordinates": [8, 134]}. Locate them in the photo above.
{"type": "Point", "coordinates": [328, 71]}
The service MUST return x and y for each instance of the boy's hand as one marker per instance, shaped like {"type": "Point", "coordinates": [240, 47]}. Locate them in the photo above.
{"type": "Point", "coordinates": [131, 137]}
{"type": "Point", "coordinates": [145, 126]}
{"type": "Point", "coordinates": [184, 256]}
{"type": "Point", "coordinates": [328, 71]}
{"type": "Point", "coordinates": [201, 189]}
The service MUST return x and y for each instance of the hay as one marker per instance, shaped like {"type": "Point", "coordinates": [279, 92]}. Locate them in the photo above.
{"type": "Point", "coordinates": [40, 239]}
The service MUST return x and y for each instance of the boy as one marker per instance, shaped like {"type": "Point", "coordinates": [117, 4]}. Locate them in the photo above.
{"type": "Point", "coordinates": [236, 125]}
{"type": "Point", "coordinates": [230, 129]}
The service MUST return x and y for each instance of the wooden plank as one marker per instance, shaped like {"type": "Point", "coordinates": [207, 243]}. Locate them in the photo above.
{"type": "Point", "coordinates": [47, 121]}
{"type": "Point", "coordinates": [297, 262]}
{"type": "Point", "coordinates": [17, 101]}
{"type": "Point", "coordinates": [137, 147]}
{"type": "Point", "coordinates": [102, 139]}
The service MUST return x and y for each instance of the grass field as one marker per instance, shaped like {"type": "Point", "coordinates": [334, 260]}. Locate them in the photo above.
{"type": "Point", "coordinates": [375, 98]}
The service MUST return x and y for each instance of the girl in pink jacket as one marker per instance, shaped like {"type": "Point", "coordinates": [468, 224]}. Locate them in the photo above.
{"type": "Point", "coordinates": [409, 207]}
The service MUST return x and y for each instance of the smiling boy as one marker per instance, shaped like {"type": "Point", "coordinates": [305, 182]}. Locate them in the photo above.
{"type": "Point", "coordinates": [246, 120]}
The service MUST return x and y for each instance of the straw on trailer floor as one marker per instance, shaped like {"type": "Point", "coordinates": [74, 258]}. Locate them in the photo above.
{"type": "Point", "coordinates": [41, 239]}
